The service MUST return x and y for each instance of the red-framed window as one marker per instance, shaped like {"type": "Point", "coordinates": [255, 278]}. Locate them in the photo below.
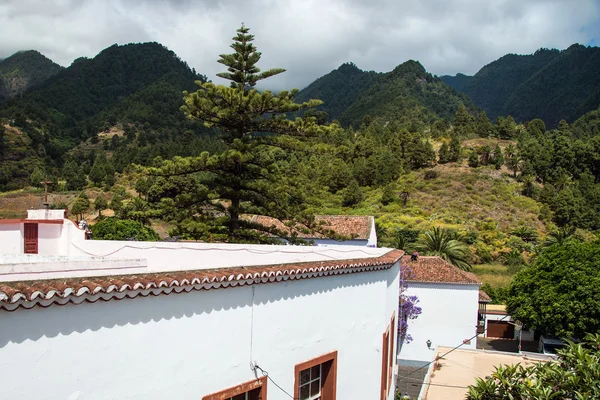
{"type": "Point", "coordinates": [316, 379]}
{"type": "Point", "coordinates": [251, 390]}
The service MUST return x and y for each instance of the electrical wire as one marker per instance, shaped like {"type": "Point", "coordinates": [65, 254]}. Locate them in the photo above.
{"type": "Point", "coordinates": [252, 323]}
{"type": "Point", "coordinates": [320, 252]}
{"type": "Point", "coordinates": [448, 352]}
{"type": "Point", "coordinates": [265, 373]}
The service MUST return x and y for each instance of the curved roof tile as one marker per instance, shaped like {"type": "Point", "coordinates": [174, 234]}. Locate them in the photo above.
{"type": "Point", "coordinates": [76, 290]}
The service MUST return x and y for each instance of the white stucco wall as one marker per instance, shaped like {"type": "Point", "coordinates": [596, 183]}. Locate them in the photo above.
{"type": "Point", "coordinates": [49, 239]}
{"type": "Point", "coordinates": [330, 242]}
{"type": "Point", "coordinates": [164, 256]}
{"type": "Point", "coordinates": [449, 316]}
{"type": "Point", "coordinates": [185, 346]}
{"type": "Point", "coordinates": [11, 238]}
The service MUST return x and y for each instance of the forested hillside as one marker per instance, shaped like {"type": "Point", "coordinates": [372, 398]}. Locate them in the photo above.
{"type": "Point", "coordinates": [550, 84]}
{"type": "Point", "coordinates": [137, 86]}
{"type": "Point", "coordinates": [338, 89]}
{"type": "Point", "coordinates": [408, 93]}
{"type": "Point", "coordinates": [24, 70]}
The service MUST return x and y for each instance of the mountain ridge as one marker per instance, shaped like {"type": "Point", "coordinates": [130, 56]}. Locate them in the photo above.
{"type": "Point", "coordinates": [549, 84]}
{"type": "Point", "coordinates": [23, 70]}
{"type": "Point", "coordinates": [408, 92]}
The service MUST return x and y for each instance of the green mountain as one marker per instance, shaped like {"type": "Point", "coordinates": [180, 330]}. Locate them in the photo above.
{"type": "Point", "coordinates": [130, 94]}
{"type": "Point", "coordinates": [24, 70]}
{"type": "Point", "coordinates": [134, 83]}
{"type": "Point", "coordinates": [549, 84]}
{"type": "Point", "coordinates": [338, 89]}
{"type": "Point", "coordinates": [408, 94]}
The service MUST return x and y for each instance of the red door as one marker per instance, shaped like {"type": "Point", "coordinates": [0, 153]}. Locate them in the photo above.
{"type": "Point", "coordinates": [500, 329]}
{"type": "Point", "coordinates": [31, 238]}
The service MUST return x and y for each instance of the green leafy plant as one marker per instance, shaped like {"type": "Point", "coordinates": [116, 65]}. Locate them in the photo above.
{"type": "Point", "coordinates": [441, 242]}
{"type": "Point", "coordinates": [573, 376]}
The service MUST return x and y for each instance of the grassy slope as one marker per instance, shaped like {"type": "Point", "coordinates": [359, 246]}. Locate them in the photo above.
{"type": "Point", "coordinates": [460, 197]}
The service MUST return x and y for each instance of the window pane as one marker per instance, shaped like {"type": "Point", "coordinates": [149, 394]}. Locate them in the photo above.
{"type": "Point", "coordinates": [304, 392]}
{"type": "Point", "coordinates": [315, 387]}
{"type": "Point", "coordinates": [304, 376]}
{"type": "Point", "coordinates": [239, 397]}
{"type": "Point", "coordinates": [315, 372]}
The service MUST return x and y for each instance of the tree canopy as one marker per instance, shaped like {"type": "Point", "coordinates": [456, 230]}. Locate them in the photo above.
{"type": "Point", "coordinates": [112, 228]}
{"type": "Point", "coordinates": [558, 294]}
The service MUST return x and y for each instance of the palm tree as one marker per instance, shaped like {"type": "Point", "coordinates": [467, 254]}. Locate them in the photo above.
{"type": "Point", "coordinates": [441, 242]}
{"type": "Point", "coordinates": [512, 159]}
{"type": "Point", "coordinates": [560, 236]}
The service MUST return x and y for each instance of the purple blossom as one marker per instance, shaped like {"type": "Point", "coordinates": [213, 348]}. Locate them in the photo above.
{"type": "Point", "coordinates": [408, 308]}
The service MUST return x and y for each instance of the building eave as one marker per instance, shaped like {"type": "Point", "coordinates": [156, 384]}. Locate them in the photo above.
{"type": "Point", "coordinates": [44, 293]}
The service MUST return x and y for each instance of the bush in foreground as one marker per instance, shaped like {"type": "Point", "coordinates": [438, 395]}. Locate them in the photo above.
{"type": "Point", "coordinates": [573, 376]}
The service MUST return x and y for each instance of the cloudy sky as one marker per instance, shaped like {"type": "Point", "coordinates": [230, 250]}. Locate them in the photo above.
{"type": "Point", "coordinates": [307, 37]}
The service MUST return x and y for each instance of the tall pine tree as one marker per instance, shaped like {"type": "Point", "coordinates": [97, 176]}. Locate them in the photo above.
{"type": "Point", "coordinates": [244, 179]}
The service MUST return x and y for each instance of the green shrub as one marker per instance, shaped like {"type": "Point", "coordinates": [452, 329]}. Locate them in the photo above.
{"type": "Point", "coordinates": [430, 174]}
{"type": "Point", "coordinates": [122, 229]}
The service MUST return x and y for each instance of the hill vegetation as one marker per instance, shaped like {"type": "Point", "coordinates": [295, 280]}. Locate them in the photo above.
{"type": "Point", "coordinates": [338, 89]}
{"type": "Point", "coordinates": [408, 94]}
{"type": "Point", "coordinates": [550, 85]}
{"type": "Point", "coordinates": [135, 87]}
{"type": "Point", "coordinates": [24, 70]}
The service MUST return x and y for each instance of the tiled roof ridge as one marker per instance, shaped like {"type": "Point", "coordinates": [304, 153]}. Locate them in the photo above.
{"type": "Point", "coordinates": [44, 293]}
{"type": "Point", "coordinates": [437, 270]}
{"type": "Point", "coordinates": [484, 297]}
{"type": "Point", "coordinates": [331, 222]}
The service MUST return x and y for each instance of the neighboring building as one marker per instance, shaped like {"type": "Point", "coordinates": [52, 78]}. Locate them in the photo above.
{"type": "Point", "coordinates": [499, 324]}
{"type": "Point", "coordinates": [484, 300]}
{"type": "Point", "coordinates": [358, 229]}
{"type": "Point", "coordinates": [153, 320]}
{"type": "Point", "coordinates": [449, 298]}
{"type": "Point", "coordinates": [42, 232]}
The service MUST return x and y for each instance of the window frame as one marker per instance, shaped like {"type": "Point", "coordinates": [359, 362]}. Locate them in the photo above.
{"type": "Point", "coordinates": [387, 358]}
{"type": "Point", "coordinates": [241, 389]}
{"type": "Point", "coordinates": [328, 379]}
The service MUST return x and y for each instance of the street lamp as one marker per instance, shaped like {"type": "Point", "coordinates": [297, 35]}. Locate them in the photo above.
{"type": "Point", "coordinates": [519, 327]}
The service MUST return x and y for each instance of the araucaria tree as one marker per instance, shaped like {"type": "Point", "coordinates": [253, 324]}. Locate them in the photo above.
{"type": "Point", "coordinates": [218, 190]}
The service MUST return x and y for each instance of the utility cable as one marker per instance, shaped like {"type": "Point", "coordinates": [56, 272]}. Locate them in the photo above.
{"type": "Point", "coordinates": [448, 352]}
{"type": "Point", "coordinates": [265, 373]}
{"type": "Point", "coordinates": [321, 251]}
{"type": "Point", "coordinates": [252, 323]}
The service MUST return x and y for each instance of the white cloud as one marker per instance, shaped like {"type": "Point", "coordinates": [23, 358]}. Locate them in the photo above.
{"type": "Point", "coordinates": [307, 37]}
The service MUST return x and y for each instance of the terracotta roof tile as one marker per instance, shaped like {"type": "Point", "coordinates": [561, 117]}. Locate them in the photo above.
{"type": "Point", "coordinates": [76, 290]}
{"type": "Point", "coordinates": [436, 270]}
{"type": "Point", "coordinates": [354, 226]}
{"type": "Point", "coordinates": [484, 297]}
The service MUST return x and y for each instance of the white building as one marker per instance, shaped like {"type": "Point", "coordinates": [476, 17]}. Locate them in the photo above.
{"type": "Point", "coordinates": [449, 298]}
{"type": "Point", "coordinates": [359, 230]}
{"type": "Point", "coordinates": [86, 319]}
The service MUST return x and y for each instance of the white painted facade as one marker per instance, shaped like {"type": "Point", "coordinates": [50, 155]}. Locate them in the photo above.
{"type": "Point", "coordinates": [53, 238]}
{"type": "Point", "coordinates": [185, 346]}
{"type": "Point", "coordinates": [190, 344]}
{"type": "Point", "coordinates": [449, 316]}
{"type": "Point", "coordinates": [11, 238]}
